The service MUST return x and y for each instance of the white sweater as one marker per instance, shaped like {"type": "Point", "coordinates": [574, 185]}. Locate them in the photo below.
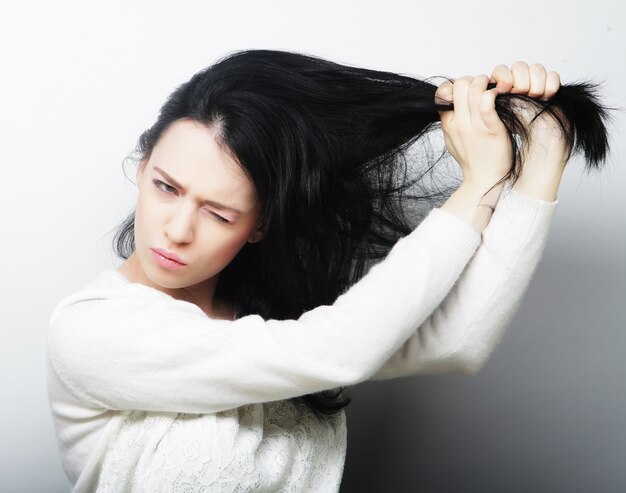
{"type": "Point", "coordinates": [149, 394]}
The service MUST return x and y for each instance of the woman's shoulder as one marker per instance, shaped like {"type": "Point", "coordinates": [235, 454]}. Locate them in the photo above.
{"type": "Point", "coordinates": [111, 285]}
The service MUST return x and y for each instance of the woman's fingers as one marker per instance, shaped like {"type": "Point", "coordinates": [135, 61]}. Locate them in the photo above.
{"type": "Point", "coordinates": [460, 91]}
{"type": "Point", "coordinates": [473, 103]}
{"type": "Point", "coordinates": [482, 103]}
{"type": "Point", "coordinates": [553, 83]}
{"type": "Point", "coordinates": [473, 132]}
{"type": "Point", "coordinates": [521, 78]}
{"type": "Point", "coordinates": [443, 94]}
{"type": "Point", "coordinates": [488, 111]}
{"type": "Point", "coordinates": [537, 75]}
{"type": "Point", "coordinates": [503, 77]}
{"type": "Point", "coordinates": [532, 80]}
{"type": "Point", "coordinates": [476, 89]}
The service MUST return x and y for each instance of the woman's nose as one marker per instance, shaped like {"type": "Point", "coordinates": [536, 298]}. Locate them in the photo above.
{"type": "Point", "coordinates": [179, 228]}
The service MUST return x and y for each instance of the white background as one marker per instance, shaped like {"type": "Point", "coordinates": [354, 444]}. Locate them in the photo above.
{"type": "Point", "coordinates": [79, 82]}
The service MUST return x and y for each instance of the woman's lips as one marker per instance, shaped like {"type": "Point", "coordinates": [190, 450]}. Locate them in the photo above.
{"type": "Point", "coordinates": [166, 259]}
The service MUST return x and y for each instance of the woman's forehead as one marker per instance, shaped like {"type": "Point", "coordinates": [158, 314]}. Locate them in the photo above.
{"type": "Point", "coordinates": [189, 155]}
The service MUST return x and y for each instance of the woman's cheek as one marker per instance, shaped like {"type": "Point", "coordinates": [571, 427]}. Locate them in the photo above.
{"type": "Point", "coordinates": [232, 243]}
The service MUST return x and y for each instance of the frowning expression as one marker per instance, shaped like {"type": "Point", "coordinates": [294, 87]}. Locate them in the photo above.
{"type": "Point", "coordinates": [195, 204]}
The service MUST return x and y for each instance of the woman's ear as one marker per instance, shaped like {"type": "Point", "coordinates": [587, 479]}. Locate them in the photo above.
{"type": "Point", "coordinates": [259, 233]}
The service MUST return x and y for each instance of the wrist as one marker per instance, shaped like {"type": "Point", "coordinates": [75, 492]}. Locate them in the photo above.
{"type": "Point", "coordinates": [474, 203]}
{"type": "Point", "coordinates": [540, 180]}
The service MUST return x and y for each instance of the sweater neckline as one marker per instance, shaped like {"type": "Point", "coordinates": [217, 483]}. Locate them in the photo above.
{"type": "Point", "coordinates": [117, 274]}
{"type": "Point", "coordinates": [122, 278]}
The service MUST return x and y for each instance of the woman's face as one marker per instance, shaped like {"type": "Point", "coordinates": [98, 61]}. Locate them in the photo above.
{"type": "Point", "coordinates": [195, 202]}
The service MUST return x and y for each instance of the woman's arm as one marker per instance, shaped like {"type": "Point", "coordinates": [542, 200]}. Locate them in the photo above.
{"type": "Point", "coordinates": [135, 350]}
{"type": "Point", "coordinates": [133, 347]}
{"type": "Point", "coordinates": [464, 330]}
{"type": "Point", "coordinates": [461, 334]}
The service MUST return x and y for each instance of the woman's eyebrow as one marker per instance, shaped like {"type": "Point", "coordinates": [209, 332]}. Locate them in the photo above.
{"type": "Point", "coordinates": [212, 203]}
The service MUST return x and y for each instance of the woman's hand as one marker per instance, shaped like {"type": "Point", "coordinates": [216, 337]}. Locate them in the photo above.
{"type": "Point", "coordinates": [474, 134]}
{"type": "Point", "coordinates": [478, 140]}
{"type": "Point", "coordinates": [547, 152]}
{"type": "Point", "coordinates": [545, 133]}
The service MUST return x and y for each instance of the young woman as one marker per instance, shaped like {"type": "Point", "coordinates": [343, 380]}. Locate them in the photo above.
{"type": "Point", "coordinates": [253, 291]}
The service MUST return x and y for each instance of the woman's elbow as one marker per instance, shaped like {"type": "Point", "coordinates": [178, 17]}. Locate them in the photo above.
{"type": "Point", "coordinates": [468, 361]}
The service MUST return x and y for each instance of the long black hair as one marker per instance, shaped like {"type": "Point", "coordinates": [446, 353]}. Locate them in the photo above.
{"type": "Point", "coordinates": [326, 146]}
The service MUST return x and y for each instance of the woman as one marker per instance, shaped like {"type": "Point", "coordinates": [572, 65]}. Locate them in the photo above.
{"type": "Point", "coordinates": [214, 358]}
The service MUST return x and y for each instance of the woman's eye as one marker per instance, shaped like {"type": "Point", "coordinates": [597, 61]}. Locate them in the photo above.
{"type": "Point", "coordinates": [164, 187]}
{"type": "Point", "coordinates": [219, 218]}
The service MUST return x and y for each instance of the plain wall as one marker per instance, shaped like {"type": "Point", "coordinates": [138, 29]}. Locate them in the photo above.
{"type": "Point", "coordinates": [79, 82]}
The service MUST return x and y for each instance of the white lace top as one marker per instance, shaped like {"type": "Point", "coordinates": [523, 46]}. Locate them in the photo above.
{"type": "Point", "coordinates": [148, 394]}
{"type": "Point", "coordinates": [274, 446]}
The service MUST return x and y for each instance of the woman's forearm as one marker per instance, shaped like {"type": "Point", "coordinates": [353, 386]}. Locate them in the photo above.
{"type": "Point", "coordinates": [465, 328]}
{"type": "Point", "coordinates": [543, 161]}
{"type": "Point", "coordinates": [472, 204]}
{"type": "Point", "coordinates": [540, 179]}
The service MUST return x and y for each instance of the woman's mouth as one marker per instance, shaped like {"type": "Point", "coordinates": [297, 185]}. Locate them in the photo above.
{"type": "Point", "coordinates": [166, 259]}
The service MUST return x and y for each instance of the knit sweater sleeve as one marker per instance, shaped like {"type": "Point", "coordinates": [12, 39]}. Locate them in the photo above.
{"type": "Point", "coordinates": [464, 329]}
{"type": "Point", "coordinates": [123, 348]}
